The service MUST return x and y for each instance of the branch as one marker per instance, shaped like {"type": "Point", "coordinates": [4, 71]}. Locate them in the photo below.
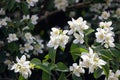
{"type": "Point", "coordinates": [47, 13]}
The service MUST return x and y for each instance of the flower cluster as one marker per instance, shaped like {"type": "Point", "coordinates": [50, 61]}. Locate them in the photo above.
{"type": "Point", "coordinates": [31, 3]}
{"type": "Point", "coordinates": [33, 18]}
{"type": "Point", "coordinates": [105, 15]}
{"type": "Point", "coordinates": [61, 4]}
{"type": "Point", "coordinates": [58, 38]}
{"type": "Point", "coordinates": [77, 28]}
{"type": "Point", "coordinates": [113, 76]}
{"type": "Point", "coordinates": [22, 66]}
{"type": "Point", "coordinates": [104, 34]}
{"type": "Point", "coordinates": [12, 37]}
{"type": "Point", "coordinates": [91, 60]}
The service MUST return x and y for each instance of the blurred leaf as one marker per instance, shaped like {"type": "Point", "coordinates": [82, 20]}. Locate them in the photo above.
{"type": "Point", "coordinates": [117, 46]}
{"type": "Point", "coordinates": [46, 76]}
{"type": "Point", "coordinates": [52, 66]}
{"type": "Point", "coordinates": [62, 77]}
{"type": "Point", "coordinates": [52, 54]}
{"type": "Point", "coordinates": [13, 47]}
{"type": "Point", "coordinates": [2, 56]}
{"type": "Point", "coordinates": [46, 58]}
{"type": "Point", "coordinates": [89, 31]}
{"type": "Point", "coordinates": [106, 54]}
{"type": "Point", "coordinates": [97, 73]}
{"type": "Point", "coordinates": [76, 78]}
{"type": "Point", "coordinates": [61, 67]}
{"type": "Point", "coordinates": [21, 77]}
{"type": "Point", "coordinates": [44, 68]}
{"type": "Point", "coordinates": [116, 53]}
{"type": "Point", "coordinates": [62, 48]}
{"type": "Point", "coordinates": [2, 68]}
{"type": "Point", "coordinates": [10, 4]}
{"type": "Point", "coordinates": [38, 65]}
{"type": "Point", "coordinates": [36, 61]}
{"type": "Point", "coordinates": [30, 25]}
{"type": "Point", "coordinates": [75, 51]}
{"type": "Point", "coordinates": [24, 7]}
{"type": "Point", "coordinates": [106, 70]}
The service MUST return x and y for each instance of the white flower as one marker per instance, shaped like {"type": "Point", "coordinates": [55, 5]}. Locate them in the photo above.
{"type": "Point", "coordinates": [22, 49]}
{"type": "Point", "coordinates": [77, 25]}
{"type": "Point", "coordinates": [79, 38]}
{"type": "Point", "coordinates": [61, 4]}
{"type": "Point", "coordinates": [58, 38]}
{"type": "Point", "coordinates": [25, 17]}
{"type": "Point", "coordinates": [105, 24]}
{"type": "Point", "coordinates": [28, 36]}
{"type": "Point", "coordinates": [22, 66]}
{"type": "Point", "coordinates": [113, 76]}
{"type": "Point", "coordinates": [55, 32]}
{"type": "Point", "coordinates": [31, 2]}
{"type": "Point", "coordinates": [91, 60]}
{"type": "Point", "coordinates": [3, 22]}
{"type": "Point", "coordinates": [38, 47]}
{"type": "Point", "coordinates": [105, 15]}
{"type": "Point", "coordinates": [28, 47]}
{"type": "Point", "coordinates": [2, 11]}
{"type": "Point", "coordinates": [34, 19]}
{"type": "Point", "coordinates": [104, 34]}
{"type": "Point", "coordinates": [77, 69]}
{"type": "Point", "coordinates": [63, 39]}
{"type": "Point", "coordinates": [100, 35]}
{"type": "Point", "coordinates": [12, 37]}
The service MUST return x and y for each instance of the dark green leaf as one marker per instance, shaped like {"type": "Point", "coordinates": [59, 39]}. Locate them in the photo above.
{"type": "Point", "coordinates": [46, 76]}
{"type": "Point", "coordinates": [106, 70]}
{"type": "Point", "coordinates": [24, 7]}
{"type": "Point", "coordinates": [76, 78]}
{"type": "Point", "coordinates": [61, 67]}
{"type": "Point", "coordinates": [36, 61]}
{"type": "Point", "coordinates": [52, 54]}
{"type": "Point", "coordinates": [98, 73]}
{"type": "Point", "coordinates": [62, 77]}
{"type": "Point", "coordinates": [21, 77]}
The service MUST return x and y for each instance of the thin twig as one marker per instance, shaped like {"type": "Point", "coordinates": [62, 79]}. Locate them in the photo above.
{"type": "Point", "coordinates": [47, 13]}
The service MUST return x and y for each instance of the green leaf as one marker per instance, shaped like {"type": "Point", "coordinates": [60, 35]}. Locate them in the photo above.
{"type": "Point", "coordinates": [106, 70]}
{"type": "Point", "coordinates": [13, 47]}
{"type": "Point", "coordinates": [46, 76]}
{"type": "Point", "coordinates": [106, 54]}
{"type": "Point", "coordinates": [31, 26]}
{"type": "Point", "coordinates": [116, 53]}
{"type": "Point", "coordinates": [21, 77]}
{"type": "Point", "coordinates": [97, 73]}
{"type": "Point", "coordinates": [44, 68]}
{"type": "Point", "coordinates": [46, 58]}
{"type": "Point", "coordinates": [62, 48]}
{"type": "Point", "coordinates": [76, 51]}
{"type": "Point", "coordinates": [62, 77]}
{"type": "Point", "coordinates": [61, 67]}
{"type": "Point", "coordinates": [38, 65]}
{"type": "Point", "coordinates": [52, 66]}
{"type": "Point", "coordinates": [72, 49]}
{"type": "Point", "coordinates": [2, 68]}
{"type": "Point", "coordinates": [76, 78]}
{"type": "Point", "coordinates": [117, 46]}
{"type": "Point", "coordinates": [36, 61]}
{"type": "Point", "coordinates": [52, 54]}
{"type": "Point", "coordinates": [89, 31]}
{"type": "Point", "coordinates": [24, 8]}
